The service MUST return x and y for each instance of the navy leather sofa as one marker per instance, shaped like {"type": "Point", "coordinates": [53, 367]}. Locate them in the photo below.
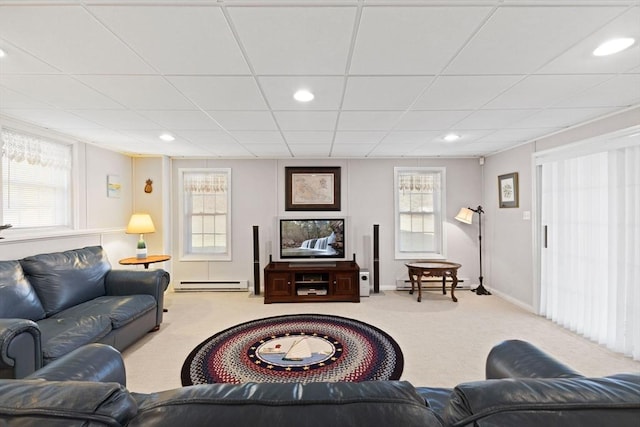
{"type": "Point", "coordinates": [51, 304]}
{"type": "Point", "coordinates": [526, 388]}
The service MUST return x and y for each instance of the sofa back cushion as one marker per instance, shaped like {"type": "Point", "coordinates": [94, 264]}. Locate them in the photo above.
{"type": "Point", "coordinates": [18, 299]}
{"type": "Point", "coordinates": [549, 402]}
{"type": "Point", "coordinates": [369, 403]}
{"type": "Point", "coordinates": [65, 279]}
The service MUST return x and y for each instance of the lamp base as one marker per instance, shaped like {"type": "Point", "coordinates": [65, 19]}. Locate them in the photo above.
{"type": "Point", "coordinates": [481, 290]}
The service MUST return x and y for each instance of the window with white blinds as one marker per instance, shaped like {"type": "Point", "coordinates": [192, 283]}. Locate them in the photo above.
{"type": "Point", "coordinates": [36, 181]}
{"type": "Point", "coordinates": [419, 210]}
{"type": "Point", "coordinates": [205, 220]}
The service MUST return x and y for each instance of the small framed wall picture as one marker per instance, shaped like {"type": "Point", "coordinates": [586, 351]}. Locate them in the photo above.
{"type": "Point", "coordinates": [508, 190]}
{"type": "Point", "coordinates": [114, 187]}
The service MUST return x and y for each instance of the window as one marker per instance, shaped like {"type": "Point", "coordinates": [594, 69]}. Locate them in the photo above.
{"type": "Point", "coordinates": [36, 181]}
{"type": "Point", "coordinates": [205, 214]}
{"type": "Point", "coordinates": [419, 209]}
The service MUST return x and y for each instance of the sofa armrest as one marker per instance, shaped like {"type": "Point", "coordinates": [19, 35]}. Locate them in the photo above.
{"type": "Point", "coordinates": [91, 362]}
{"type": "Point", "coordinates": [20, 348]}
{"type": "Point", "coordinates": [139, 282]}
{"type": "Point", "coordinates": [520, 359]}
{"type": "Point", "coordinates": [549, 402]}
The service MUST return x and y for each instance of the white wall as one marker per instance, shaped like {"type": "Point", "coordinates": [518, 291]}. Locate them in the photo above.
{"type": "Point", "coordinates": [367, 199]}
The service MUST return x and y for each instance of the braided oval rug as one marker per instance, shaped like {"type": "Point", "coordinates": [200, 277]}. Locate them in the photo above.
{"type": "Point", "coordinates": [295, 348]}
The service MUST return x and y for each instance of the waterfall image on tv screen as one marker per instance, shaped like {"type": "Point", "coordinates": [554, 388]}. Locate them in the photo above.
{"type": "Point", "coordinates": [311, 238]}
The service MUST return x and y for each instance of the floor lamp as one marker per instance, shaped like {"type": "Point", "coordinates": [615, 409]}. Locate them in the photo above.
{"type": "Point", "coordinates": [466, 215]}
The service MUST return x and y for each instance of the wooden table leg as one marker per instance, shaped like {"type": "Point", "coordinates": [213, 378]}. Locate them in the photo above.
{"type": "Point", "coordinates": [444, 281]}
{"type": "Point", "coordinates": [454, 276]}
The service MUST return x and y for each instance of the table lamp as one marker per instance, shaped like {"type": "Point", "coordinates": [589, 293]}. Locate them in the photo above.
{"type": "Point", "coordinates": [140, 223]}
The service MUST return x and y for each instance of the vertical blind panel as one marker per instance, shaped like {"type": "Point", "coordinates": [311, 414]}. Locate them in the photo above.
{"type": "Point", "coordinates": [591, 267]}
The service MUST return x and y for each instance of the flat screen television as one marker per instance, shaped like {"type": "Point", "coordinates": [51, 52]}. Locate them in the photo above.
{"type": "Point", "coordinates": [312, 239]}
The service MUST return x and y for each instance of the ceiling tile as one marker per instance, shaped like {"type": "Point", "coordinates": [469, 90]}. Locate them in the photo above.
{"type": "Point", "coordinates": [66, 37]}
{"type": "Point", "coordinates": [580, 58]}
{"type": "Point", "coordinates": [303, 137]}
{"type": "Point", "coordinates": [206, 137]}
{"type": "Point", "coordinates": [268, 150]}
{"type": "Point", "coordinates": [412, 40]}
{"type": "Point", "coordinates": [493, 119]}
{"type": "Point", "coordinates": [368, 120]}
{"type": "Point", "coordinates": [351, 150]}
{"type": "Point", "coordinates": [353, 137]}
{"type": "Point", "coordinates": [463, 92]}
{"type": "Point", "coordinates": [50, 118]}
{"type": "Point", "coordinates": [520, 40]}
{"type": "Point", "coordinates": [117, 119]}
{"type": "Point", "coordinates": [177, 39]}
{"type": "Point", "coordinates": [102, 136]}
{"type": "Point", "coordinates": [542, 91]}
{"type": "Point", "coordinates": [181, 119]}
{"type": "Point", "coordinates": [383, 93]}
{"type": "Point", "coordinates": [515, 135]}
{"type": "Point", "coordinates": [258, 137]}
{"type": "Point", "coordinates": [310, 150]}
{"type": "Point", "coordinates": [295, 40]}
{"type": "Point", "coordinates": [220, 93]}
{"type": "Point", "coordinates": [17, 61]}
{"type": "Point", "coordinates": [410, 137]}
{"type": "Point", "coordinates": [13, 99]}
{"type": "Point", "coordinates": [560, 117]}
{"type": "Point", "coordinates": [620, 91]}
{"type": "Point", "coordinates": [430, 120]}
{"type": "Point", "coordinates": [306, 120]}
{"type": "Point", "coordinates": [139, 92]}
{"type": "Point", "coordinates": [279, 92]}
{"type": "Point", "coordinates": [244, 120]}
{"type": "Point", "coordinates": [57, 90]}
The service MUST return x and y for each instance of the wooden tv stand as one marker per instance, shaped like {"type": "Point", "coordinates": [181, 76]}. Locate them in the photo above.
{"type": "Point", "coordinates": [311, 282]}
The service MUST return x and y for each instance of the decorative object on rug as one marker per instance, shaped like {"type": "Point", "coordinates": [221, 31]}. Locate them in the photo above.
{"type": "Point", "coordinates": [466, 216]}
{"type": "Point", "coordinates": [295, 348]}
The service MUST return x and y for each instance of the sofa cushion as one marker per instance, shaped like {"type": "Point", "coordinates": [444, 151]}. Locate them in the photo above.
{"type": "Point", "coordinates": [120, 309]}
{"type": "Point", "coordinates": [65, 279]}
{"type": "Point", "coordinates": [62, 335]}
{"type": "Point", "coordinates": [64, 403]}
{"type": "Point", "coordinates": [18, 299]}
{"type": "Point", "coordinates": [549, 402]}
{"type": "Point", "coordinates": [369, 403]}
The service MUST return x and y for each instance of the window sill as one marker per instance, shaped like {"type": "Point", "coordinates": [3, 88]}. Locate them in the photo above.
{"type": "Point", "coordinates": [32, 235]}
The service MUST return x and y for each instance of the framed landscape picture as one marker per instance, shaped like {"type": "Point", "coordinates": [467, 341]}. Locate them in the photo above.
{"type": "Point", "coordinates": [508, 190]}
{"type": "Point", "coordinates": [312, 188]}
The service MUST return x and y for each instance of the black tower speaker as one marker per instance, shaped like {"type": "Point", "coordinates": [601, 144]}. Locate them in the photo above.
{"type": "Point", "coordinates": [376, 258]}
{"type": "Point", "coordinates": [256, 261]}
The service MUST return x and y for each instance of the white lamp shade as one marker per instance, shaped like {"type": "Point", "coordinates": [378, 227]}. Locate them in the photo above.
{"type": "Point", "coordinates": [465, 215]}
{"type": "Point", "coordinates": [140, 224]}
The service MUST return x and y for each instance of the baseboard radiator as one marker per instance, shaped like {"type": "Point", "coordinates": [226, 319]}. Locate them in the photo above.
{"type": "Point", "coordinates": [431, 283]}
{"type": "Point", "coordinates": [213, 285]}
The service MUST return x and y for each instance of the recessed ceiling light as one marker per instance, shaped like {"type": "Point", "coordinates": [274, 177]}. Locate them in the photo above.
{"type": "Point", "coordinates": [2, 53]}
{"type": "Point", "coordinates": [451, 137]}
{"type": "Point", "coordinates": [167, 137]}
{"type": "Point", "coordinates": [613, 46]}
{"type": "Point", "coordinates": [303, 95]}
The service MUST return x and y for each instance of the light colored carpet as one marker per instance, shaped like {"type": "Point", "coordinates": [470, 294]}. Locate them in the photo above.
{"type": "Point", "coordinates": [444, 343]}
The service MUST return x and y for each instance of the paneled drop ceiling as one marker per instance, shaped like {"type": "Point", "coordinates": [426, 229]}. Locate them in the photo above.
{"type": "Point", "coordinates": [390, 78]}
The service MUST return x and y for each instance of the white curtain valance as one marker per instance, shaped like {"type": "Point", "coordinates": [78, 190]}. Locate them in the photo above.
{"type": "Point", "coordinates": [205, 183]}
{"type": "Point", "coordinates": [19, 148]}
{"type": "Point", "coordinates": [424, 183]}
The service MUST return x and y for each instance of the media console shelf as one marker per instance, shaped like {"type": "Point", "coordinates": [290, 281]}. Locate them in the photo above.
{"type": "Point", "coordinates": [311, 282]}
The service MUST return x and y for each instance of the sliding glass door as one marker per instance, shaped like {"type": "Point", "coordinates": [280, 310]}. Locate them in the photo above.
{"type": "Point", "coordinates": [590, 241]}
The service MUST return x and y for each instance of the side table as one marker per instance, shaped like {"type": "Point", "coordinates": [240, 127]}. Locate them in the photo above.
{"type": "Point", "coordinates": [443, 269]}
